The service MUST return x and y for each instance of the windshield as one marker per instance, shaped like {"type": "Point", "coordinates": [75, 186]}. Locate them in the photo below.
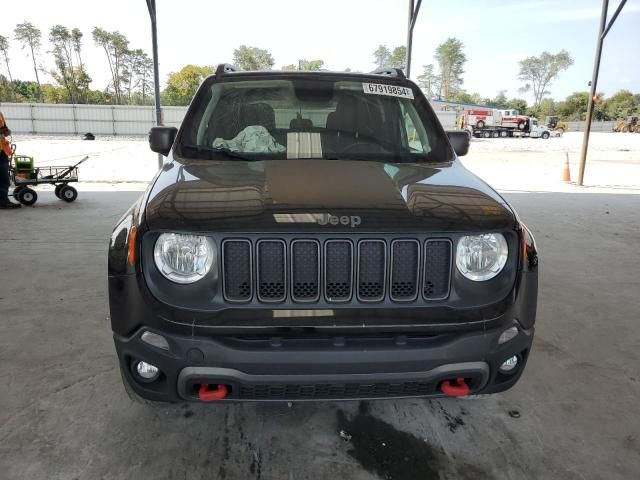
{"type": "Point", "coordinates": [302, 118]}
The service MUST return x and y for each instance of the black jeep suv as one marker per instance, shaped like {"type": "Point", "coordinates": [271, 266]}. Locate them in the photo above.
{"type": "Point", "coordinates": [313, 236]}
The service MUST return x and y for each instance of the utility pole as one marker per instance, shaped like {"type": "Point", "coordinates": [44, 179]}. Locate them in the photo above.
{"type": "Point", "coordinates": [602, 33]}
{"type": "Point", "coordinates": [151, 5]}
{"type": "Point", "coordinates": [414, 8]}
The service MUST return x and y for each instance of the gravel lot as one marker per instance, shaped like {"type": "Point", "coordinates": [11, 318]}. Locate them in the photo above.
{"type": "Point", "coordinates": [520, 164]}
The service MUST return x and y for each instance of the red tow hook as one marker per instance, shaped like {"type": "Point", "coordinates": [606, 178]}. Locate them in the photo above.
{"type": "Point", "coordinates": [455, 388]}
{"type": "Point", "coordinates": [207, 395]}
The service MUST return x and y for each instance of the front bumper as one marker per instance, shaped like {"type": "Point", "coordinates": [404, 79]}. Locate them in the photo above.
{"type": "Point", "coordinates": [261, 368]}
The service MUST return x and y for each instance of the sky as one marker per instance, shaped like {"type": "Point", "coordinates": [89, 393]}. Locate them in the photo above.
{"type": "Point", "coordinates": [344, 33]}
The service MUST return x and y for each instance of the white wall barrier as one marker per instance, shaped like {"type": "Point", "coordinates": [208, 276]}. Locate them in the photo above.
{"type": "Point", "coordinates": [66, 119]}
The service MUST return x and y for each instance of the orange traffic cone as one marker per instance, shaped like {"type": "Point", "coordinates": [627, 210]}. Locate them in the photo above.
{"type": "Point", "coordinates": [566, 173]}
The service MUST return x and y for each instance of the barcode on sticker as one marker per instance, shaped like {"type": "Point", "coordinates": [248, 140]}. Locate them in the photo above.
{"type": "Point", "coordinates": [389, 90]}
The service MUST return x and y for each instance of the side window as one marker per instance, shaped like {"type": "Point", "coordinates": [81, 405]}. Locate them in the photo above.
{"type": "Point", "coordinates": [413, 130]}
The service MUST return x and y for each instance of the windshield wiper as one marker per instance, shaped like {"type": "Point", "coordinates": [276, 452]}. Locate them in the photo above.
{"type": "Point", "coordinates": [223, 151]}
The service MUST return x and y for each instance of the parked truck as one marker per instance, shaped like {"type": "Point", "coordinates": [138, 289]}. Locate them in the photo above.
{"type": "Point", "coordinates": [495, 123]}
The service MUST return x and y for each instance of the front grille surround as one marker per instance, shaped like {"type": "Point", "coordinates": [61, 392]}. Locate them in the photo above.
{"type": "Point", "coordinates": [338, 275]}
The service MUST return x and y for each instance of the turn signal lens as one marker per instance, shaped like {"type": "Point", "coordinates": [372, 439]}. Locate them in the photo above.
{"type": "Point", "coordinates": [131, 251]}
{"type": "Point", "coordinates": [507, 335]}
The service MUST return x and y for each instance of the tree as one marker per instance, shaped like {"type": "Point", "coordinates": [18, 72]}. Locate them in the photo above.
{"type": "Point", "coordinates": [63, 53]}
{"type": "Point", "coordinates": [76, 41]}
{"type": "Point", "coordinates": [252, 58]}
{"type": "Point", "coordinates": [7, 94]}
{"type": "Point", "coordinates": [500, 100]}
{"type": "Point", "coordinates": [182, 85]}
{"type": "Point", "coordinates": [305, 65]}
{"type": "Point", "coordinates": [429, 82]}
{"type": "Point", "coordinates": [27, 34]}
{"type": "Point", "coordinates": [540, 72]}
{"type": "Point", "coordinates": [518, 104]}
{"type": "Point", "coordinates": [464, 97]}
{"type": "Point", "coordinates": [382, 56]}
{"type": "Point", "coordinates": [545, 108]}
{"type": "Point", "coordinates": [145, 78]}
{"type": "Point", "coordinates": [574, 107]}
{"type": "Point", "coordinates": [116, 47]}
{"type": "Point", "coordinates": [451, 60]}
{"type": "Point", "coordinates": [27, 91]}
{"type": "Point", "coordinates": [4, 48]}
{"type": "Point", "coordinates": [398, 57]}
{"type": "Point", "coordinates": [136, 72]}
{"type": "Point", "coordinates": [622, 105]}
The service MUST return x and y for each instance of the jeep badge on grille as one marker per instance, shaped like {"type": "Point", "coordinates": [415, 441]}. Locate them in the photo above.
{"type": "Point", "coordinates": [351, 220]}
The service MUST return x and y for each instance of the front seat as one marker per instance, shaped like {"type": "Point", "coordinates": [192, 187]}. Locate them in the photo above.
{"type": "Point", "coordinates": [341, 128]}
{"type": "Point", "coordinates": [257, 114]}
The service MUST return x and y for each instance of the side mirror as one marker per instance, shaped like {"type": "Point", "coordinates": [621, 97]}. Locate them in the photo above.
{"type": "Point", "coordinates": [460, 141]}
{"type": "Point", "coordinates": [161, 139]}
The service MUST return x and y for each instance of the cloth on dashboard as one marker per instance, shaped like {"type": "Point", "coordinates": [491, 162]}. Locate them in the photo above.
{"type": "Point", "coordinates": [253, 139]}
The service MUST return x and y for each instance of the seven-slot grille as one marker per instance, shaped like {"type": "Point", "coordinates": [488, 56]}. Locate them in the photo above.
{"type": "Point", "coordinates": [336, 270]}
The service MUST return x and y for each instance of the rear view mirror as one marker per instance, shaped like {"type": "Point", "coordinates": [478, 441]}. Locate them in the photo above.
{"type": "Point", "coordinates": [460, 141]}
{"type": "Point", "coordinates": [161, 139]}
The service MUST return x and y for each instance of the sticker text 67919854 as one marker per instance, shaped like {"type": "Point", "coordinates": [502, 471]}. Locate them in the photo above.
{"type": "Point", "coordinates": [389, 90]}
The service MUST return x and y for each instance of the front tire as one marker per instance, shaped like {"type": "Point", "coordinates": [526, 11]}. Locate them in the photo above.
{"type": "Point", "coordinates": [27, 196]}
{"type": "Point", "coordinates": [545, 135]}
{"type": "Point", "coordinates": [480, 124]}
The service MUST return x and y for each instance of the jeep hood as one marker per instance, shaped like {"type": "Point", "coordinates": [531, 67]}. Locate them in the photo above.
{"type": "Point", "coordinates": [299, 195]}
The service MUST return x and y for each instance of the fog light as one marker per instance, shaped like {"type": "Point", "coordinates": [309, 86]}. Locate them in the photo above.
{"type": "Point", "coordinates": [147, 371]}
{"type": "Point", "coordinates": [156, 340]}
{"type": "Point", "coordinates": [507, 335]}
{"type": "Point", "coordinates": [509, 364]}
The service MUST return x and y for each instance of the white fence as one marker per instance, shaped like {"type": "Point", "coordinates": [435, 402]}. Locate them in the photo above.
{"type": "Point", "coordinates": [598, 126]}
{"type": "Point", "coordinates": [64, 119]}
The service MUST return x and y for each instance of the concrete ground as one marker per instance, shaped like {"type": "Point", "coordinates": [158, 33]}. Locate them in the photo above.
{"type": "Point", "coordinates": [574, 415]}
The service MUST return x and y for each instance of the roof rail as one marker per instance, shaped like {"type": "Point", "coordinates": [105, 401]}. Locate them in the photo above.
{"type": "Point", "coordinates": [390, 71]}
{"type": "Point", "coordinates": [225, 68]}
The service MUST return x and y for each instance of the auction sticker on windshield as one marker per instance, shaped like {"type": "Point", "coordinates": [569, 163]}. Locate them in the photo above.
{"type": "Point", "coordinates": [389, 90]}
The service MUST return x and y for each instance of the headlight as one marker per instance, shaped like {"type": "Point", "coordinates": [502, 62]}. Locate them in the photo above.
{"type": "Point", "coordinates": [481, 257]}
{"type": "Point", "coordinates": [183, 258]}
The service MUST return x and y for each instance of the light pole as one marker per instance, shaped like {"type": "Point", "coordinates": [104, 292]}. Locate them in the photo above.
{"type": "Point", "coordinates": [151, 5]}
{"type": "Point", "coordinates": [414, 8]}
{"type": "Point", "coordinates": [602, 33]}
